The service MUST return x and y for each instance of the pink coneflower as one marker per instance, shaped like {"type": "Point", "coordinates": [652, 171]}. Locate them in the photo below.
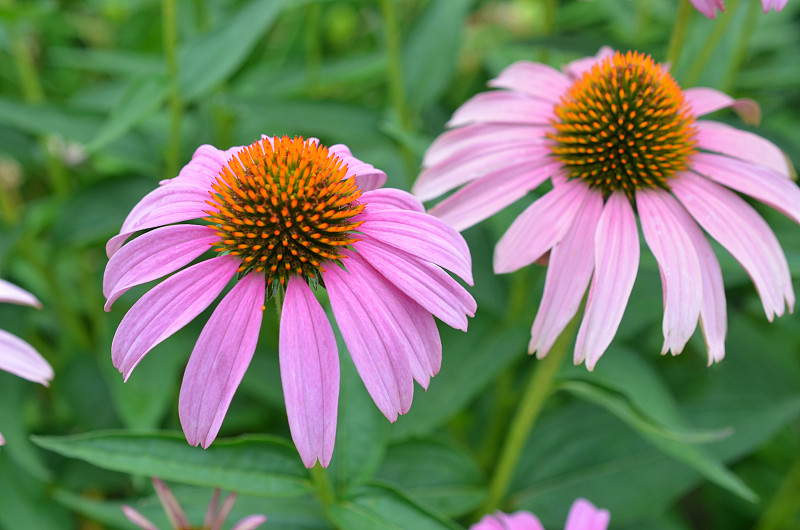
{"type": "Point", "coordinates": [177, 517]}
{"type": "Point", "coordinates": [285, 217]}
{"type": "Point", "coordinates": [616, 136]}
{"type": "Point", "coordinates": [583, 515]}
{"type": "Point", "coordinates": [17, 356]}
{"type": "Point", "coordinates": [710, 7]}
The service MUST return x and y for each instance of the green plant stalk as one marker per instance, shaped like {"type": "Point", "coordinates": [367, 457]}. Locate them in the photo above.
{"type": "Point", "coordinates": [323, 489]}
{"type": "Point", "coordinates": [395, 68]}
{"type": "Point", "coordinates": [679, 32]}
{"type": "Point", "coordinates": [170, 43]}
{"type": "Point", "coordinates": [313, 44]}
{"type": "Point", "coordinates": [742, 44]}
{"type": "Point", "coordinates": [700, 62]}
{"type": "Point", "coordinates": [539, 387]}
{"type": "Point", "coordinates": [785, 504]}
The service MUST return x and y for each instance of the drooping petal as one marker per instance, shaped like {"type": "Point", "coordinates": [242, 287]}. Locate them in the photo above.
{"type": "Point", "coordinates": [703, 101]}
{"type": "Point", "coordinates": [539, 227]}
{"type": "Point", "coordinates": [309, 373]}
{"type": "Point", "coordinates": [137, 518]}
{"type": "Point", "coordinates": [709, 7]}
{"type": "Point", "coordinates": [534, 79]}
{"type": "Point", "coordinates": [758, 182]}
{"type": "Point", "coordinates": [219, 360]}
{"type": "Point", "coordinates": [426, 284]}
{"type": "Point", "coordinates": [743, 232]}
{"type": "Point", "coordinates": [17, 295]}
{"type": "Point", "coordinates": [421, 235]}
{"type": "Point", "coordinates": [251, 522]}
{"type": "Point", "coordinates": [153, 255]}
{"type": "Point", "coordinates": [168, 307]}
{"type": "Point", "coordinates": [172, 507]}
{"type": "Point", "coordinates": [391, 198]}
{"type": "Point", "coordinates": [480, 136]}
{"type": "Point", "coordinates": [483, 198]}
{"type": "Point", "coordinates": [171, 203]}
{"type": "Point", "coordinates": [663, 221]}
{"type": "Point", "coordinates": [583, 515]}
{"type": "Point", "coordinates": [367, 176]}
{"type": "Point", "coordinates": [515, 521]}
{"type": "Point", "coordinates": [715, 136]}
{"type": "Point", "coordinates": [616, 263]}
{"type": "Point", "coordinates": [568, 274]}
{"type": "Point", "coordinates": [19, 358]}
{"type": "Point", "coordinates": [501, 106]}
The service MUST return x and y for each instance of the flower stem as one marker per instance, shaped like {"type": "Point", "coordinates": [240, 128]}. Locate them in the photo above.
{"type": "Point", "coordinates": [538, 389]}
{"type": "Point", "coordinates": [711, 43]}
{"type": "Point", "coordinates": [170, 41]}
{"type": "Point", "coordinates": [744, 36]}
{"type": "Point", "coordinates": [322, 486]}
{"type": "Point", "coordinates": [395, 70]}
{"type": "Point", "coordinates": [679, 32]}
{"type": "Point", "coordinates": [785, 504]}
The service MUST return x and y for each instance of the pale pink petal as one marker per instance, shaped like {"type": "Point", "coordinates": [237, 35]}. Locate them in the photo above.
{"type": "Point", "coordinates": [17, 295]}
{"type": "Point", "coordinates": [454, 172]}
{"type": "Point", "coordinates": [391, 198]}
{"type": "Point", "coordinates": [375, 340]}
{"type": "Point", "coordinates": [756, 181]}
{"type": "Point", "coordinates": [2, 440]}
{"type": "Point", "coordinates": [515, 521]}
{"type": "Point", "coordinates": [488, 195]}
{"type": "Point", "coordinates": [616, 264]}
{"type": "Point", "coordinates": [219, 360]}
{"type": "Point", "coordinates": [777, 5]}
{"type": "Point", "coordinates": [153, 255]}
{"type": "Point", "coordinates": [742, 231]}
{"type": "Point", "coordinates": [206, 164]}
{"type": "Point", "coordinates": [421, 235]}
{"type": "Point", "coordinates": [423, 282]}
{"type": "Point", "coordinates": [172, 203]}
{"type": "Point", "coordinates": [481, 136]}
{"type": "Point", "coordinates": [168, 307]}
{"type": "Point", "coordinates": [663, 221]}
{"type": "Point", "coordinates": [251, 522]}
{"type": "Point", "coordinates": [367, 177]}
{"type": "Point", "coordinates": [715, 136]}
{"type": "Point", "coordinates": [309, 373]}
{"type": "Point", "coordinates": [709, 7]}
{"type": "Point", "coordinates": [578, 67]}
{"type": "Point", "coordinates": [568, 274]}
{"type": "Point", "coordinates": [534, 79]}
{"type": "Point", "coordinates": [225, 510]}
{"type": "Point", "coordinates": [502, 106]}
{"type": "Point", "coordinates": [137, 518]}
{"type": "Point", "coordinates": [212, 509]}
{"type": "Point", "coordinates": [585, 516]}
{"type": "Point", "coordinates": [172, 507]}
{"type": "Point", "coordinates": [19, 358]}
{"type": "Point", "coordinates": [703, 101]}
{"type": "Point", "coordinates": [539, 227]}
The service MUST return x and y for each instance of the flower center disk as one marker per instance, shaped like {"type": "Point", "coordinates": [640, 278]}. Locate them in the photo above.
{"type": "Point", "coordinates": [285, 208]}
{"type": "Point", "coordinates": [624, 125]}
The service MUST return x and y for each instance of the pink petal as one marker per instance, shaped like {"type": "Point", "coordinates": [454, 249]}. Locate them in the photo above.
{"type": "Point", "coordinates": [578, 67]}
{"type": "Point", "coordinates": [205, 166]}
{"type": "Point", "coordinates": [309, 373]}
{"type": "Point", "coordinates": [19, 358]}
{"type": "Point", "coordinates": [172, 203]}
{"type": "Point", "coordinates": [706, 100]}
{"type": "Point", "coordinates": [760, 183]}
{"type": "Point", "coordinates": [421, 235]}
{"type": "Point", "coordinates": [363, 305]}
{"type": "Point", "coordinates": [534, 79]}
{"type": "Point", "coordinates": [616, 263]}
{"type": "Point", "coordinates": [2, 440]}
{"type": "Point", "coordinates": [663, 224]}
{"type": "Point", "coordinates": [219, 360]}
{"type": "Point", "coordinates": [426, 284]}
{"type": "Point", "coordinates": [168, 307]}
{"type": "Point", "coordinates": [539, 227]}
{"type": "Point", "coordinates": [172, 507]}
{"type": "Point", "coordinates": [367, 177]}
{"type": "Point", "coordinates": [568, 275]}
{"type": "Point", "coordinates": [153, 255]}
{"type": "Point", "coordinates": [137, 518]}
{"type": "Point", "coordinates": [480, 136]}
{"type": "Point", "coordinates": [501, 521]}
{"type": "Point", "coordinates": [218, 519]}
{"type": "Point", "coordinates": [709, 7]}
{"type": "Point", "coordinates": [391, 198]}
{"type": "Point", "coordinates": [743, 145]}
{"type": "Point", "coordinates": [501, 106]}
{"type": "Point", "coordinates": [491, 193]}
{"type": "Point", "coordinates": [777, 5]}
{"type": "Point", "coordinates": [17, 295]}
{"type": "Point", "coordinates": [585, 516]}
{"type": "Point", "coordinates": [212, 509]}
{"type": "Point", "coordinates": [251, 522]}
{"type": "Point", "coordinates": [739, 228]}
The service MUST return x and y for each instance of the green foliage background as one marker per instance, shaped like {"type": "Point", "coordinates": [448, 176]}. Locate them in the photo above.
{"type": "Point", "coordinates": [93, 113]}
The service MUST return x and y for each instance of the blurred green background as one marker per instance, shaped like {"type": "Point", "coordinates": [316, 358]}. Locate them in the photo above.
{"type": "Point", "coordinates": [101, 99]}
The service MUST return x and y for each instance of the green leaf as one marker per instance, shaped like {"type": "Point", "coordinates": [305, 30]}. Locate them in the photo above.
{"type": "Point", "coordinates": [18, 447]}
{"type": "Point", "coordinates": [254, 465]}
{"type": "Point", "coordinates": [22, 500]}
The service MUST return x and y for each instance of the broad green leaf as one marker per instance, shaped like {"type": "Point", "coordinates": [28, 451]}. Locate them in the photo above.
{"type": "Point", "coordinates": [255, 465]}
{"type": "Point", "coordinates": [22, 500]}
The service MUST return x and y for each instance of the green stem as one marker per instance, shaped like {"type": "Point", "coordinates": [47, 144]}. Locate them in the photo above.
{"type": "Point", "coordinates": [539, 388]}
{"type": "Point", "coordinates": [742, 44]}
{"type": "Point", "coordinates": [679, 32]}
{"type": "Point", "coordinates": [785, 504]}
{"type": "Point", "coordinates": [395, 70]}
{"type": "Point", "coordinates": [313, 44]}
{"type": "Point", "coordinates": [700, 62]}
{"type": "Point", "coordinates": [322, 487]}
{"type": "Point", "coordinates": [170, 42]}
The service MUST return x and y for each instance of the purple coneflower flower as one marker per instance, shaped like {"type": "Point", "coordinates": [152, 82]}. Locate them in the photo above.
{"type": "Point", "coordinates": [17, 356]}
{"type": "Point", "coordinates": [710, 7]}
{"type": "Point", "coordinates": [289, 215]}
{"type": "Point", "coordinates": [583, 515]}
{"type": "Point", "coordinates": [177, 517]}
{"type": "Point", "coordinates": [616, 136]}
